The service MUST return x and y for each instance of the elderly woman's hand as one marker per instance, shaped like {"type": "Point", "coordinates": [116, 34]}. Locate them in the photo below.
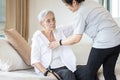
{"type": "Point", "coordinates": [54, 44]}
{"type": "Point", "coordinates": [51, 75]}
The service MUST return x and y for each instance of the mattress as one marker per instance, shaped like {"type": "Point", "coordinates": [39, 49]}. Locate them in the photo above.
{"type": "Point", "coordinates": [30, 75]}
{"type": "Point", "coordinates": [22, 75]}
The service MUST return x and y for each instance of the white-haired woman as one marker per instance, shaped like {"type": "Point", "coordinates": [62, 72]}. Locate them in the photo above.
{"type": "Point", "coordinates": [59, 62]}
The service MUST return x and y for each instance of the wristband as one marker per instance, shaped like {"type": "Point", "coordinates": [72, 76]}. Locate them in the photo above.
{"type": "Point", "coordinates": [46, 72]}
{"type": "Point", "coordinates": [60, 42]}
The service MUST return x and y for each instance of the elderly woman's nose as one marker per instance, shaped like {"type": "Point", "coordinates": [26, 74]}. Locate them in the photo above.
{"type": "Point", "coordinates": [52, 22]}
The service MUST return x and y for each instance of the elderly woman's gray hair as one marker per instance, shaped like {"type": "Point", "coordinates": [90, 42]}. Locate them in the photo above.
{"type": "Point", "coordinates": [42, 14]}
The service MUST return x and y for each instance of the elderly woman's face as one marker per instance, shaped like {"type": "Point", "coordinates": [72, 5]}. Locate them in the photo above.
{"type": "Point", "coordinates": [49, 22]}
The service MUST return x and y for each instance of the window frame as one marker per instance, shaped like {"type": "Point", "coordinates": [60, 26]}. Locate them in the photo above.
{"type": "Point", "coordinates": [2, 17]}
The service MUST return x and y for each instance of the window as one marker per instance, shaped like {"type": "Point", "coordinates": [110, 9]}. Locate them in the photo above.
{"type": "Point", "coordinates": [112, 5]}
{"type": "Point", "coordinates": [115, 11]}
{"type": "Point", "coordinates": [2, 17]}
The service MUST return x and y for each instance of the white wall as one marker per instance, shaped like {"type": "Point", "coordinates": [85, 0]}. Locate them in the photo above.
{"type": "Point", "coordinates": [2, 10]}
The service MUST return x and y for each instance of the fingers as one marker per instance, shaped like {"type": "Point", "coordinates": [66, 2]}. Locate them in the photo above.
{"type": "Point", "coordinates": [54, 75]}
{"type": "Point", "coordinates": [51, 45]}
{"type": "Point", "coordinates": [54, 44]}
{"type": "Point", "coordinates": [51, 75]}
{"type": "Point", "coordinates": [57, 75]}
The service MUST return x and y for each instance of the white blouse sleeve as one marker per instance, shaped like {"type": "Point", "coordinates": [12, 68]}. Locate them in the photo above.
{"type": "Point", "coordinates": [35, 50]}
{"type": "Point", "coordinates": [79, 24]}
{"type": "Point", "coordinates": [67, 29]}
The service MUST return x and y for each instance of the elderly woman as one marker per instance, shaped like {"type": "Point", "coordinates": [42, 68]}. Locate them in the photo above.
{"type": "Point", "coordinates": [51, 62]}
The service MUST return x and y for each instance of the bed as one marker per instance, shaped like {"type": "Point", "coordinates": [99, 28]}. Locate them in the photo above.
{"type": "Point", "coordinates": [9, 57]}
{"type": "Point", "coordinates": [28, 74]}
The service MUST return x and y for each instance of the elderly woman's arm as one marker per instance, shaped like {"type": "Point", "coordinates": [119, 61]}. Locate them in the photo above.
{"type": "Point", "coordinates": [35, 54]}
{"type": "Point", "coordinates": [40, 67]}
{"type": "Point", "coordinates": [35, 57]}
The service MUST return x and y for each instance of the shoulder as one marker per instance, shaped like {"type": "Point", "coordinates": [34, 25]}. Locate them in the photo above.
{"type": "Point", "coordinates": [89, 5]}
{"type": "Point", "coordinates": [90, 2]}
{"type": "Point", "coordinates": [36, 34]}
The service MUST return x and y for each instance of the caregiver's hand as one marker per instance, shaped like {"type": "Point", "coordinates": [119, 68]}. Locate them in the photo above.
{"type": "Point", "coordinates": [54, 44]}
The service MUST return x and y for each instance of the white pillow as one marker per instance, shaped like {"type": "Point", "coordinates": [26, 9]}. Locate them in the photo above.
{"type": "Point", "coordinates": [9, 58]}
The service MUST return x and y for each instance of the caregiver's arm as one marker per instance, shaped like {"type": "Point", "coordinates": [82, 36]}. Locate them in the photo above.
{"type": "Point", "coordinates": [68, 41]}
{"type": "Point", "coordinates": [72, 39]}
{"type": "Point", "coordinates": [77, 33]}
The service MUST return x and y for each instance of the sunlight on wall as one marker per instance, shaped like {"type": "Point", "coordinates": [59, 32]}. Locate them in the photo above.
{"type": "Point", "coordinates": [115, 8]}
{"type": "Point", "coordinates": [2, 10]}
{"type": "Point", "coordinates": [2, 16]}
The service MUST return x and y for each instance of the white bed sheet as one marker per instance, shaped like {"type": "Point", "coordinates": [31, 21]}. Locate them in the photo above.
{"type": "Point", "coordinates": [22, 75]}
{"type": "Point", "coordinates": [30, 75]}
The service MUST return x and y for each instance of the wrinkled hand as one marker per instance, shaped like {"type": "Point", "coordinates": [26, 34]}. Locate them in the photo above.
{"type": "Point", "coordinates": [54, 44]}
{"type": "Point", "coordinates": [51, 75]}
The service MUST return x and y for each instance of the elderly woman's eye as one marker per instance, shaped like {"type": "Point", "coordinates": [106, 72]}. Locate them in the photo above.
{"type": "Point", "coordinates": [53, 19]}
{"type": "Point", "coordinates": [48, 21]}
